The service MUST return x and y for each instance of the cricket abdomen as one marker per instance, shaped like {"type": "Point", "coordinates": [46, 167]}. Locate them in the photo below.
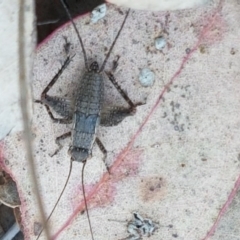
{"type": "Point", "coordinates": [86, 115]}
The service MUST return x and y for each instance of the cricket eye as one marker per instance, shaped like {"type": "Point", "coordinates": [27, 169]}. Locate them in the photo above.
{"type": "Point", "coordinates": [94, 67]}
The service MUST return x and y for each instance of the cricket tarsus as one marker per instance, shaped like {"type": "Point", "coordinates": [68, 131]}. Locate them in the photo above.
{"type": "Point", "coordinates": [115, 64]}
{"type": "Point", "coordinates": [85, 200]}
{"type": "Point", "coordinates": [79, 37]}
{"type": "Point", "coordinates": [66, 45]}
{"type": "Point", "coordinates": [60, 196]}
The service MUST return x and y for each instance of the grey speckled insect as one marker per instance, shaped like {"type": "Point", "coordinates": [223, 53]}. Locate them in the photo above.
{"type": "Point", "coordinates": [86, 112]}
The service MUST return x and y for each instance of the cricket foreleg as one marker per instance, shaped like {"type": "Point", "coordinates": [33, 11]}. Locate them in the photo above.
{"type": "Point", "coordinates": [132, 106]}
{"type": "Point", "coordinates": [104, 151]}
{"type": "Point", "coordinates": [53, 81]}
{"type": "Point", "coordinates": [61, 106]}
{"type": "Point", "coordinates": [58, 139]}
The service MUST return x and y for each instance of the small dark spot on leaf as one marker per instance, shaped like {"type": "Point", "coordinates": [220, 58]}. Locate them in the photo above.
{"type": "Point", "coordinates": [177, 105]}
{"type": "Point", "coordinates": [202, 49]}
{"type": "Point", "coordinates": [233, 51]}
{"type": "Point", "coordinates": [151, 188]}
{"type": "Point", "coordinates": [187, 50]}
{"type": "Point", "coordinates": [135, 41]}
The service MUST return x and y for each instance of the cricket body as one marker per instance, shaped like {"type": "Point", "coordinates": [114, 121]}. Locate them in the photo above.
{"type": "Point", "coordinates": [86, 117]}
{"type": "Point", "coordinates": [86, 112]}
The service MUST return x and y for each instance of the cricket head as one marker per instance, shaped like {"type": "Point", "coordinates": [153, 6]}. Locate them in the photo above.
{"type": "Point", "coordinates": [78, 154]}
{"type": "Point", "coordinates": [94, 67]}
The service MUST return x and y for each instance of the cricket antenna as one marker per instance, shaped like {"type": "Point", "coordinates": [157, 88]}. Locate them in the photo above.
{"type": "Point", "coordinates": [79, 38]}
{"type": "Point", "coordinates": [115, 40]}
{"type": "Point", "coordinates": [85, 200]}
{"type": "Point", "coordinates": [60, 196]}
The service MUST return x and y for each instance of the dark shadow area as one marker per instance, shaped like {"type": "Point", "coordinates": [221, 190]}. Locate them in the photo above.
{"type": "Point", "coordinates": [51, 15]}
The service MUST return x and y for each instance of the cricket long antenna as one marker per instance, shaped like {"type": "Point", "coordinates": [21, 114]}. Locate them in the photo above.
{"type": "Point", "coordinates": [60, 196]}
{"type": "Point", "coordinates": [115, 40]}
{"type": "Point", "coordinates": [79, 38]}
{"type": "Point", "coordinates": [85, 200]}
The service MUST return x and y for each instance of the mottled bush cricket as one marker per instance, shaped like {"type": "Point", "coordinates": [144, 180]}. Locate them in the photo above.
{"type": "Point", "coordinates": [86, 112]}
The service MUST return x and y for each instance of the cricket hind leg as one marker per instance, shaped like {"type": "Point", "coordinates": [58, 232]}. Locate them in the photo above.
{"type": "Point", "coordinates": [111, 116]}
{"type": "Point", "coordinates": [57, 141]}
{"type": "Point", "coordinates": [62, 106]}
